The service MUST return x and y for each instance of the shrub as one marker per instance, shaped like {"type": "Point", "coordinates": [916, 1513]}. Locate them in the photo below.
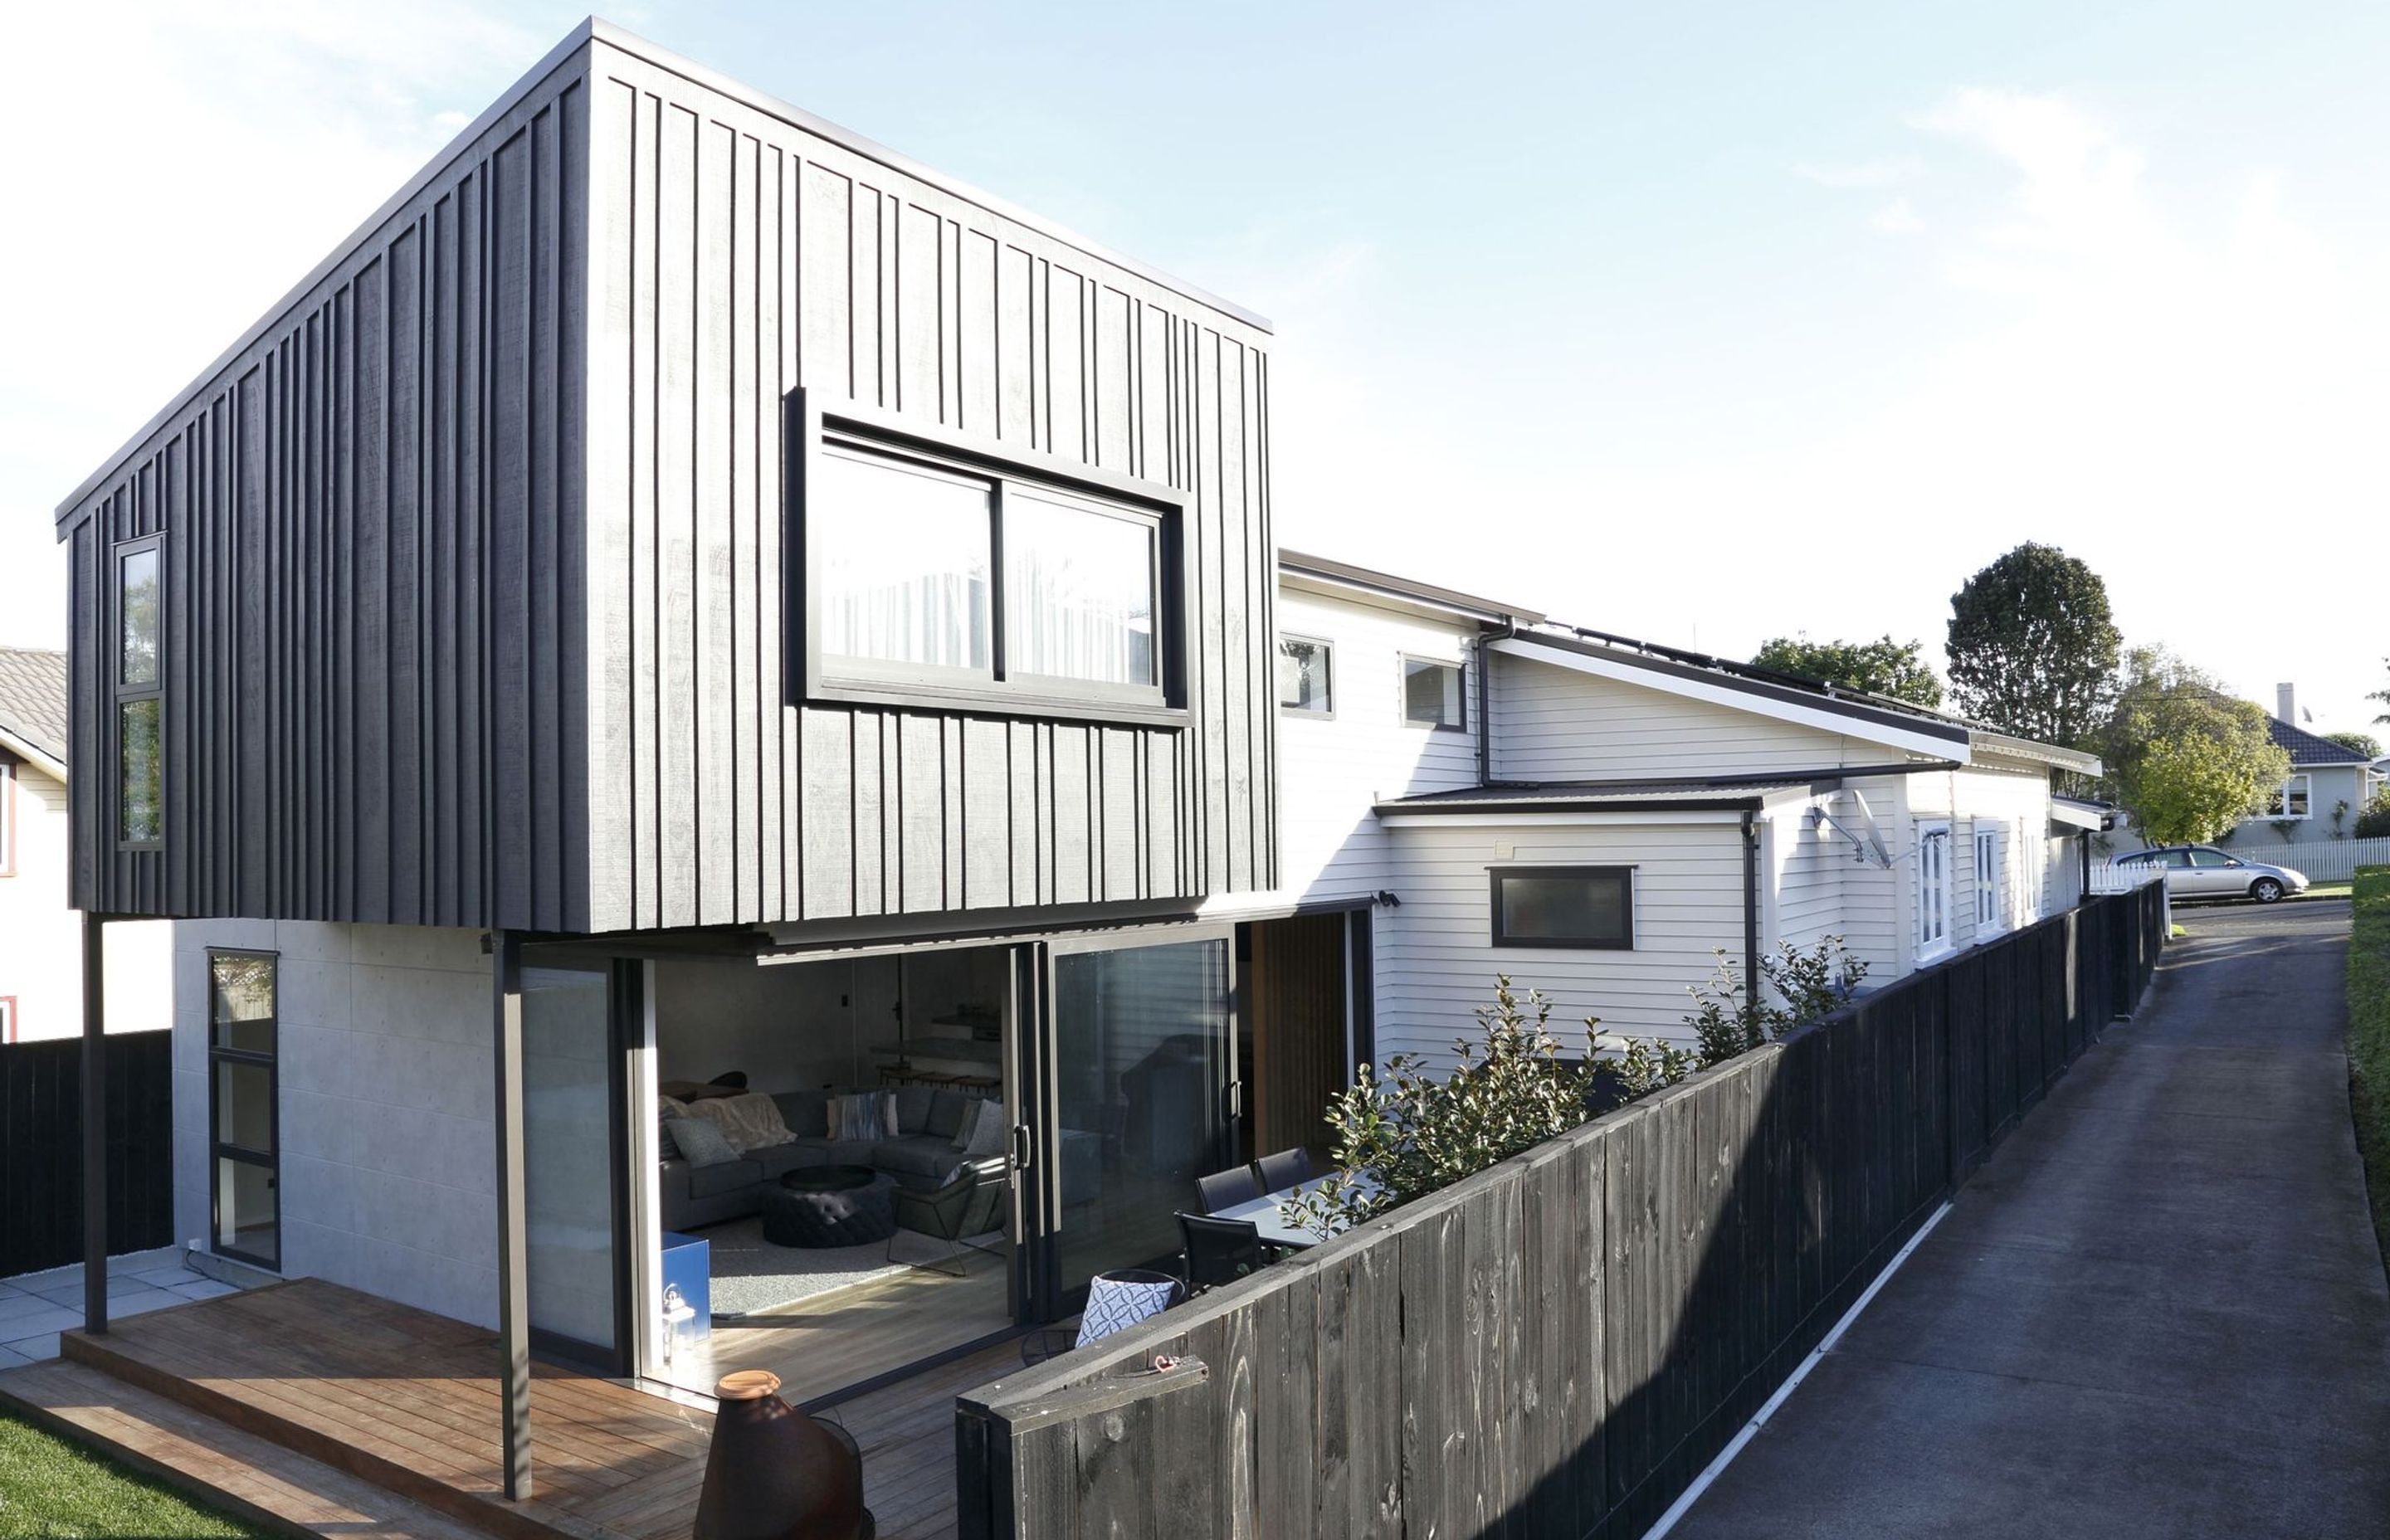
{"type": "Point", "coordinates": [2374, 822]}
{"type": "Point", "coordinates": [2368, 1036]}
{"type": "Point", "coordinates": [1811, 984]}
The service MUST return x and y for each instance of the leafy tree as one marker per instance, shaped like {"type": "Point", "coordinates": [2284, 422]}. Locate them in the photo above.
{"type": "Point", "coordinates": [2363, 745]}
{"type": "Point", "coordinates": [2183, 756]}
{"type": "Point", "coordinates": [2032, 649]}
{"type": "Point", "coordinates": [2383, 695]}
{"type": "Point", "coordinates": [1882, 666]}
{"type": "Point", "coordinates": [2374, 823]}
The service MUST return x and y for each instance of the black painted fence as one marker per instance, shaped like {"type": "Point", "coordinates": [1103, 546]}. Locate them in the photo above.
{"type": "Point", "coordinates": [1557, 1346]}
{"type": "Point", "coordinates": [41, 1149]}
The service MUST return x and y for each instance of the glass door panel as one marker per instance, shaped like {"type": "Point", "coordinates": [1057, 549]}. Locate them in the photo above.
{"type": "Point", "coordinates": [569, 1161]}
{"type": "Point", "coordinates": [1143, 1070]}
{"type": "Point", "coordinates": [245, 1203]}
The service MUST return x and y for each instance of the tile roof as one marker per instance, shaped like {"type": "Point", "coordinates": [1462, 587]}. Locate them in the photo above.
{"type": "Point", "coordinates": [2307, 749]}
{"type": "Point", "coordinates": [33, 698]}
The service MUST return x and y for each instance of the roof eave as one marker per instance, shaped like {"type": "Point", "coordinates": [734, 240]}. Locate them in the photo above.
{"type": "Point", "coordinates": [26, 749]}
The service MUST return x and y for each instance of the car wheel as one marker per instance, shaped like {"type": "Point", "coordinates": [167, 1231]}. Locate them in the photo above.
{"type": "Point", "coordinates": [2266, 891]}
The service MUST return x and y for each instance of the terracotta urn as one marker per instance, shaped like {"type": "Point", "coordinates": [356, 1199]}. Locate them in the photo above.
{"type": "Point", "coordinates": [774, 1473]}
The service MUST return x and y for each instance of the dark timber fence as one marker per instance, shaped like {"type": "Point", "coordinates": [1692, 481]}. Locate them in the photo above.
{"type": "Point", "coordinates": [1557, 1346]}
{"type": "Point", "coordinates": [41, 1149]}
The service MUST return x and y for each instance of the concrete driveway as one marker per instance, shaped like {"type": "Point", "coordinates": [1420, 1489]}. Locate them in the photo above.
{"type": "Point", "coordinates": [2157, 1311]}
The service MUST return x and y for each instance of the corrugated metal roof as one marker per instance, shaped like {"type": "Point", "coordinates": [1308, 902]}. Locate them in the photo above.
{"type": "Point", "coordinates": [1525, 796]}
{"type": "Point", "coordinates": [33, 698]}
{"type": "Point", "coordinates": [2307, 749]}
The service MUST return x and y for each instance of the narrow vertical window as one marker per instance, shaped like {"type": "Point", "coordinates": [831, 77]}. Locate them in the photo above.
{"type": "Point", "coordinates": [140, 698]}
{"type": "Point", "coordinates": [1933, 889]}
{"type": "Point", "coordinates": [1988, 879]}
{"type": "Point", "coordinates": [244, 1119]}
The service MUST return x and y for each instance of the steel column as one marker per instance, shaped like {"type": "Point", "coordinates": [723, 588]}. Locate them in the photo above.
{"type": "Point", "coordinates": [514, 1291]}
{"type": "Point", "coordinates": [95, 1123]}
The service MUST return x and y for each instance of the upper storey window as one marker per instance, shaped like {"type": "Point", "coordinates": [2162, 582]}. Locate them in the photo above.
{"type": "Point", "coordinates": [140, 694]}
{"type": "Point", "coordinates": [941, 575]}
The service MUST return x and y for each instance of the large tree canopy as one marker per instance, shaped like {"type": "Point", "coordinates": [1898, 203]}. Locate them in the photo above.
{"type": "Point", "coordinates": [2363, 745]}
{"type": "Point", "coordinates": [2186, 759]}
{"type": "Point", "coordinates": [1882, 666]}
{"type": "Point", "coordinates": [2032, 649]}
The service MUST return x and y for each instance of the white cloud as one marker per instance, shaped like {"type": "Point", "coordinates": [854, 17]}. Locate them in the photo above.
{"type": "Point", "coordinates": [1896, 218]}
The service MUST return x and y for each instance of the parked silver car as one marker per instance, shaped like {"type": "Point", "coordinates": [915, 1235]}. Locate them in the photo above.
{"type": "Point", "coordinates": [2203, 871]}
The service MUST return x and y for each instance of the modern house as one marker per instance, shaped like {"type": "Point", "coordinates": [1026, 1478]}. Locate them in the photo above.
{"type": "Point", "coordinates": [1600, 817]}
{"type": "Point", "coordinates": [40, 985]}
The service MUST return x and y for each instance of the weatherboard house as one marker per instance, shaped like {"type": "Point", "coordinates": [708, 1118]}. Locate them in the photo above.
{"type": "Point", "coordinates": [727, 733]}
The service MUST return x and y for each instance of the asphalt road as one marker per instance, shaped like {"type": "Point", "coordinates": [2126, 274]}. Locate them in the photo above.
{"type": "Point", "coordinates": [2157, 1311]}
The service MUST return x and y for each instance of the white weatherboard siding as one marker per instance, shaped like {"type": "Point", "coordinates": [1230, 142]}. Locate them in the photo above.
{"type": "Point", "coordinates": [1805, 867]}
{"type": "Point", "coordinates": [1333, 770]}
{"type": "Point", "coordinates": [41, 939]}
{"type": "Point", "coordinates": [386, 1099]}
{"type": "Point", "coordinates": [1437, 963]}
{"type": "Point", "coordinates": [1555, 723]}
{"type": "Point", "coordinates": [2012, 804]}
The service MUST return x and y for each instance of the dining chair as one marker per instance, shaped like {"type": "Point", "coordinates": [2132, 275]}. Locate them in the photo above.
{"type": "Point", "coordinates": [1286, 1169]}
{"type": "Point", "coordinates": [1226, 1189]}
{"type": "Point", "coordinates": [1221, 1251]}
{"type": "Point", "coordinates": [1117, 1301]}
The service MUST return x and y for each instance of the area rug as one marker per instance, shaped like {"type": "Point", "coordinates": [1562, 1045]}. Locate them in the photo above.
{"type": "Point", "coordinates": [752, 1275]}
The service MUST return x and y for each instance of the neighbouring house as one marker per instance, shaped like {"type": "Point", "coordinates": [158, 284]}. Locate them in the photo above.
{"type": "Point", "coordinates": [2327, 785]}
{"type": "Point", "coordinates": [1600, 817]}
{"type": "Point", "coordinates": [41, 973]}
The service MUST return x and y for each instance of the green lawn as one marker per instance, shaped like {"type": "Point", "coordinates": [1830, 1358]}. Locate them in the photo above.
{"type": "Point", "coordinates": [53, 1490]}
{"type": "Point", "coordinates": [2369, 1037]}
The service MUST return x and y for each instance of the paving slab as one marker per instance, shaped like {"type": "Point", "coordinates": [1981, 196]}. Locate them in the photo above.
{"type": "Point", "coordinates": [2158, 1309]}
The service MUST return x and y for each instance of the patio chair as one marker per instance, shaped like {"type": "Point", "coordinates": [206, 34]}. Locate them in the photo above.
{"type": "Point", "coordinates": [1222, 1250]}
{"type": "Point", "coordinates": [969, 1203]}
{"type": "Point", "coordinates": [1226, 1189]}
{"type": "Point", "coordinates": [1286, 1169]}
{"type": "Point", "coordinates": [1117, 1301]}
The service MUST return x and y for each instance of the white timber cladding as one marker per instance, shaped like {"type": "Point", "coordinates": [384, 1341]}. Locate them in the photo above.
{"type": "Point", "coordinates": [40, 944]}
{"type": "Point", "coordinates": [1334, 768]}
{"type": "Point", "coordinates": [1437, 964]}
{"type": "Point", "coordinates": [382, 1056]}
{"type": "Point", "coordinates": [1555, 723]}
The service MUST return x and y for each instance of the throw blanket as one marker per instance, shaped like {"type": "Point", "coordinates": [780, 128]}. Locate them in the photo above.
{"type": "Point", "coordinates": [747, 1122]}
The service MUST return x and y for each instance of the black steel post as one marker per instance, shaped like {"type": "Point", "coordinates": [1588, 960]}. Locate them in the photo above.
{"type": "Point", "coordinates": [514, 1291]}
{"type": "Point", "coordinates": [95, 1123]}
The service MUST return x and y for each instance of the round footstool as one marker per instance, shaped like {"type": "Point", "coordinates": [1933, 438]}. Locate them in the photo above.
{"type": "Point", "coordinates": [830, 1206]}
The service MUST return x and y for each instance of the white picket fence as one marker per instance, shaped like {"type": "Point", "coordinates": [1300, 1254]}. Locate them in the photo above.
{"type": "Point", "coordinates": [2107, 877]}
{"type": "Point", "coordinates": [2323, 860]}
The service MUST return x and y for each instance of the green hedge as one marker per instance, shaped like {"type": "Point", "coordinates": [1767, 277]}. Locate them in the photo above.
{"type": "Point", "coordinates": [2368, 1036]}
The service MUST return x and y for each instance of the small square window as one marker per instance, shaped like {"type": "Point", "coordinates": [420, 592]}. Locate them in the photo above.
{"type": "Point", "coordinates": [1434, 695]}
{"type": "Point", "coordinates": [1304, 675]}
{"type": "Point", "coordinates": [1572, 906]}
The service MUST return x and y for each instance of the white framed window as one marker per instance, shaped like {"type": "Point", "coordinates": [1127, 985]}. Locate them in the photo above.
{"type": "Point", "coordinates": [1933, 889]}
{"type": "Point", "coordinates": [1988, 879]}
{"type": "Point", "coordinates": [2292, 799]}
{"type": "Point", "coordinates": [1307, 676]}
{"type": "Point", "coordinates": [1436, 694]}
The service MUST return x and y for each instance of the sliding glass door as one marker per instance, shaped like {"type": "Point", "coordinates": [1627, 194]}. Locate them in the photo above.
{"type": "Point", "coordinates": [573, 1066]}
{"type": "Point", "coordinates": [1140, 1087]}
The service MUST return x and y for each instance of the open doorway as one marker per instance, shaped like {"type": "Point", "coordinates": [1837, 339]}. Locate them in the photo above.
{"type": "Point", "coordinates": [1299, 1021]}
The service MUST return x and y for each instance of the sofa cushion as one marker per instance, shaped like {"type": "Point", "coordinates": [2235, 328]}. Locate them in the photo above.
{"type": "Point", "coordinates": [806, 1113]}
{"type": "Point", "coordinates": [700, 1143]}
{"type": "Point", "coordinates": [778, 1159]}
{"type": "Point", "coordinates": [912, 1110]}
{"type": "Point", "coordinates": [840, 1152]}
{"type": "Point", "coordinates": [713, 1181]}
{"type": "Point", "coordinates": [989, 1134]}
{"type": "Point", "coordinates": [923, 1155]}
{"type": "Point", "coordinates": [946, 1113]}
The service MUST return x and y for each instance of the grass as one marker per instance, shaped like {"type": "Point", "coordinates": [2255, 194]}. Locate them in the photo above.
{"type": "Point", "coordinates": [2369, 1037]}
{"type": "Point", "coordinates": [51, 1489]}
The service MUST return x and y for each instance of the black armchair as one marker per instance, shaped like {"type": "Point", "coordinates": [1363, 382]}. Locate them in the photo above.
{"type": "Point", "coordinates": [969, 1203]}
{"type": "Point", "coordinates": [1222, 1250]}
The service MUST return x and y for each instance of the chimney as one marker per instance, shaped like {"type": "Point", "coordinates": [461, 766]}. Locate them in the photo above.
{"type": "Point", "coordinates": [2286, 703]}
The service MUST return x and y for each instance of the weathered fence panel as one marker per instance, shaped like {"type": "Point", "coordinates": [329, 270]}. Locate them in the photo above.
{"type": "Point", "coordinates": [1558, 1346]}
{"type": "Point", "coordinates": [41, 1149]}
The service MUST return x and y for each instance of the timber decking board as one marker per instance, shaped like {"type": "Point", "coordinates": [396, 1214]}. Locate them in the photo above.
{"type": "Point", "coordinates": [329, 1396]}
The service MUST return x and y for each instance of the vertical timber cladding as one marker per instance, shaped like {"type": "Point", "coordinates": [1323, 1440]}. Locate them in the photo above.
{"type": "Point", "coordinates": [373, 570]}
{"type": "Point", "coordinates": [740, 255]}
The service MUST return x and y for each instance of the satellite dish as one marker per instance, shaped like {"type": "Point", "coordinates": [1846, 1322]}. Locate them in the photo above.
{"type": "Point", "coordinates": [1874, 833]}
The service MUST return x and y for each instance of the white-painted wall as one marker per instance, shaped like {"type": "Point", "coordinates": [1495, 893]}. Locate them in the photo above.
{"type": "Point", "coordinates": [41, 939]}
{"type": "Point", "coordinates": [385, 1089]}
{"type": "Point", "coordinates": [1437, 962]}
{"type": "Point", "coordinates": [1554, 723]}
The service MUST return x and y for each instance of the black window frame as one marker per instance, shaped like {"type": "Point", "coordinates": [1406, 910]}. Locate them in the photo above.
{"type": "Point", "coordinates": [123, 694]}
{"type": "Point", "coordinates": [1402, 691]}
{"type": "Point", "coordinates": [1328, 651]}
{"type": "Point", "coordinates": [218, 1150]}
{"type": "Point", "coordinates": [813, 427]}
{"type": "Point", "coordinates": [1495, 876]}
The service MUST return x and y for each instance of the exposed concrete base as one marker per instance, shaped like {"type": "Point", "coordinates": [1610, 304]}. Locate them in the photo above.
{"type": "Point", "coordinates": [2157, 1311]}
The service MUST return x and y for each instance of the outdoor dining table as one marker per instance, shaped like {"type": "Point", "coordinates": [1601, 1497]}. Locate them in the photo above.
{"type": "Point", "coordinates": [1273, 1226]}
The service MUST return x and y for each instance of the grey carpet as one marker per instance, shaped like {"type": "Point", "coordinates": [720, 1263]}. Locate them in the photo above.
{"type": "Point", "coordinates": [751, 1274]}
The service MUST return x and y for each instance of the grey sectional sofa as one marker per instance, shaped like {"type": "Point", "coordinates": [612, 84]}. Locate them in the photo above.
{"type": "Point", "coordinates": [920, 1156]}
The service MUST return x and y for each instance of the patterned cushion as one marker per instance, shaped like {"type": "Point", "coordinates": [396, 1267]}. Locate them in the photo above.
{"type": "Point", "coordinates": [700, 1144]}
{"type": "Point", "coordinates": [1116, 1305]}
{"type": "Point", "coordinates": [988, 1134]}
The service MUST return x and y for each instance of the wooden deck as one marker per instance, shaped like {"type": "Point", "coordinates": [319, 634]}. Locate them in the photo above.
{"type": "Point", "coordinates": [408, 1401]}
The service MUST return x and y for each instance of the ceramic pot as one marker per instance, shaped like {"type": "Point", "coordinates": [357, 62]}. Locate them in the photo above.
{"type": "Point", "coordinates": [774, 1473]}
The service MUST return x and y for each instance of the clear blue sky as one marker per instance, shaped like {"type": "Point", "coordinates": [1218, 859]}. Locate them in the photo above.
{"type": "Point", "coordinates": [1704, 324]}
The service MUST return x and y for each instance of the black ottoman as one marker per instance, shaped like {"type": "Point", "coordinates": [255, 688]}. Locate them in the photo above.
{"type": "Point", "coordinates": [830, 1206]}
